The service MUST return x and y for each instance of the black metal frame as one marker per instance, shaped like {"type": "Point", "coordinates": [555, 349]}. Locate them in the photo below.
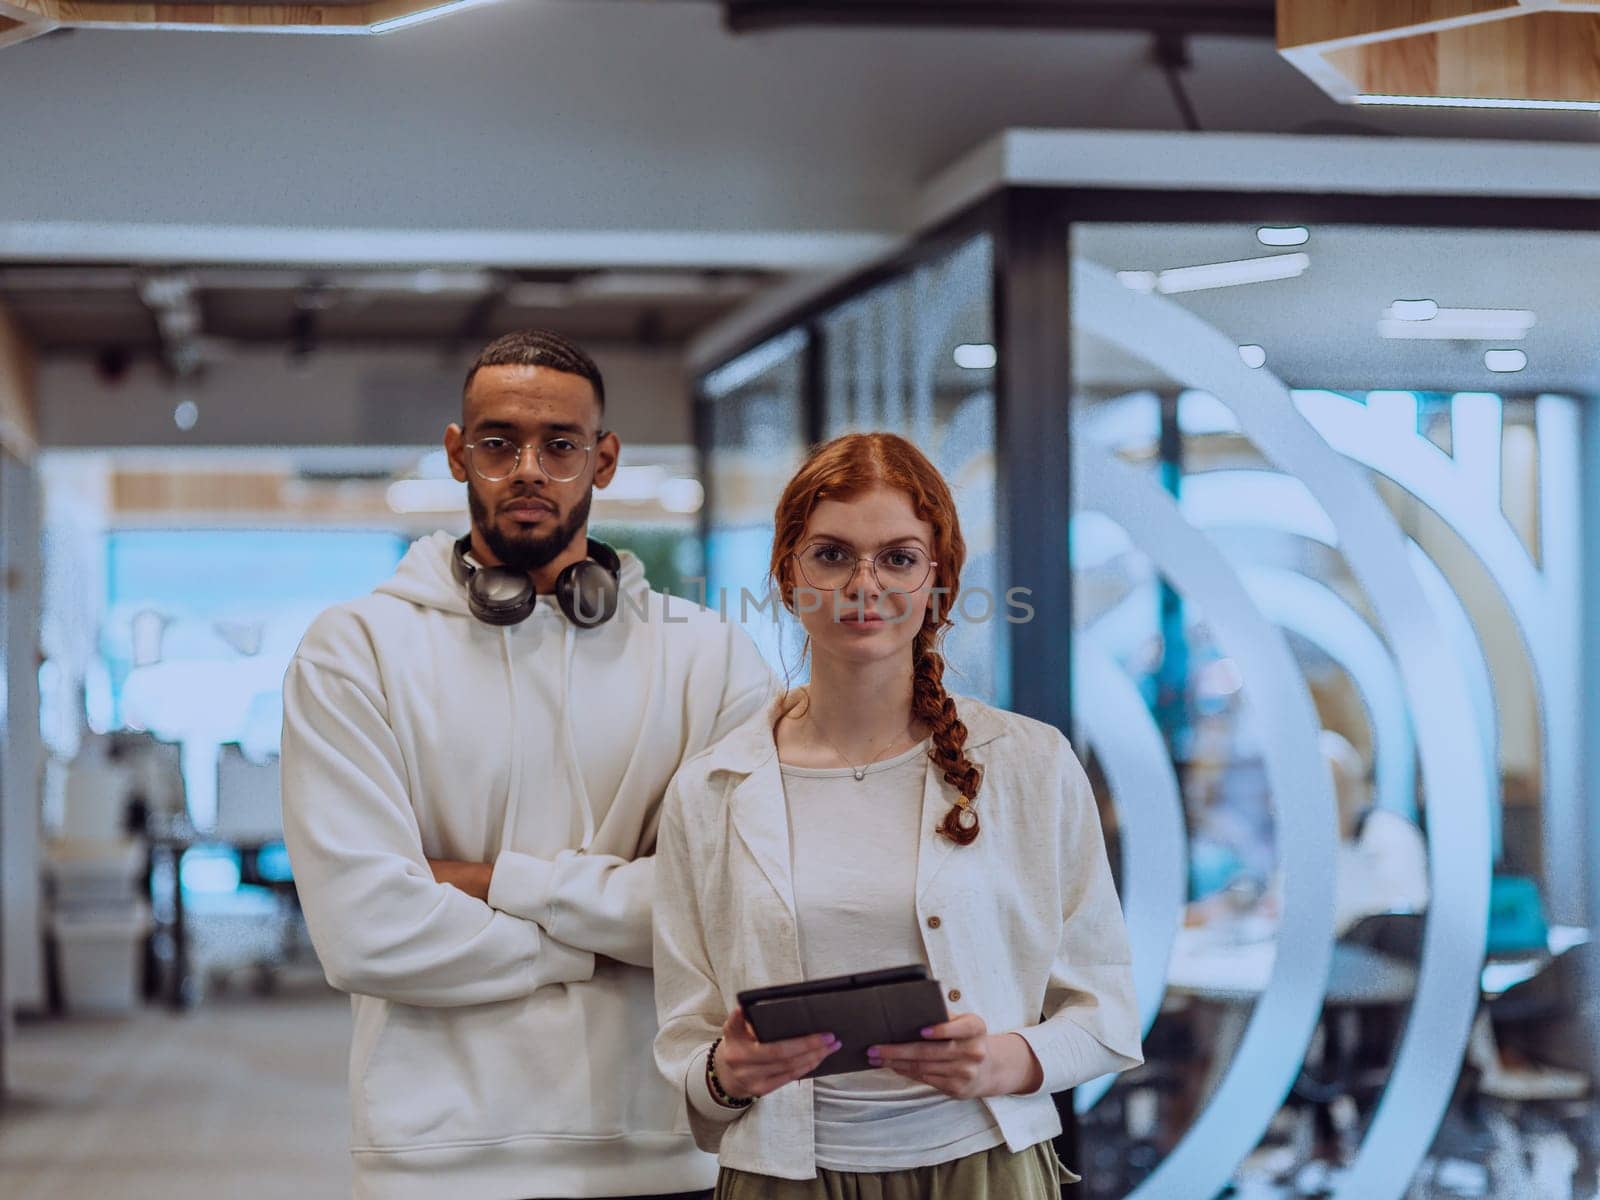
{"type": "Point", "coordinates": [1252, 18]}
{"type": "Point", "coordinates": [1033, 380]}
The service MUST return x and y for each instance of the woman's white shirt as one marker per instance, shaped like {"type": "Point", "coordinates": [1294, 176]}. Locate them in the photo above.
{"type": "Point", "coordinates": [1022, 923]}
{"type": "Point", "coordinates": [853, 854]}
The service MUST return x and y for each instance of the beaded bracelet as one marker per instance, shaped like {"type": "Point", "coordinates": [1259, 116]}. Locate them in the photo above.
{"type": "Point", "coordinates": [715, 1087]}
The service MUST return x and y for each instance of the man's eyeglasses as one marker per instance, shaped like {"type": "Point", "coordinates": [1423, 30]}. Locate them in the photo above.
{"type": "Point", "coordinates": [560, 458]}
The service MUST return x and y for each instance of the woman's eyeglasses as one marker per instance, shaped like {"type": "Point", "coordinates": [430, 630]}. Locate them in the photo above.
{"type": "Point", "coordinates": [828, 566]}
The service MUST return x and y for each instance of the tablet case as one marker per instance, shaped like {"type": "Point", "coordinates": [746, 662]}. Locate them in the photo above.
{"type": "Point", "coordinates": [872, 1008]}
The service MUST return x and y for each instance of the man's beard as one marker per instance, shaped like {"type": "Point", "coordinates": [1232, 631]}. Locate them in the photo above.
{"type": "Point", "coordinates": [526, 551]}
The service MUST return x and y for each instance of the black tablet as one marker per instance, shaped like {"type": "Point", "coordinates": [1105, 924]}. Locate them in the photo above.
{"type": "Point", "coordinates": [872, 1008]}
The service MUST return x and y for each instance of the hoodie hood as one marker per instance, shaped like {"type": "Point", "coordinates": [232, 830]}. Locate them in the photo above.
{"type": "Point", "coordinates": [423, 576]}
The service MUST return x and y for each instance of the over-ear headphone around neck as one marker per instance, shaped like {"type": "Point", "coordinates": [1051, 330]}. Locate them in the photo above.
{"type": "Point", "coordinates": [586, 590]}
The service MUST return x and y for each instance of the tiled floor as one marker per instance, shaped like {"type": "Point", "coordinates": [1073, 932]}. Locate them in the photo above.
{"type": "Point", "coordinates": [1536, 1151]}
{"type": "Point", "coordinates": [243, 1099]}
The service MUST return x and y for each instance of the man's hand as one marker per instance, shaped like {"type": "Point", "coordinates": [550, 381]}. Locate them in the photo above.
{"type": "Point", "coordinates": [471, 878]}
{"type": "Point", "coordinates": [964, 1060]}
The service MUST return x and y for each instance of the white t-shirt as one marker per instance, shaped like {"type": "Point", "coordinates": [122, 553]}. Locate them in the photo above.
{"type": "Point", "coordinates": [853, 846]}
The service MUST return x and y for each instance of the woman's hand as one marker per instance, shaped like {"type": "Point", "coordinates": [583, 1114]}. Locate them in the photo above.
{"type": "Point", "coordinates": [964, 1060]}
{"type": "Point", "coordinates": [746, 1067]}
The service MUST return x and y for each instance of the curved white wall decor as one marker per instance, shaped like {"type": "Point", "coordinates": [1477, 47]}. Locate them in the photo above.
{"type": "Point", "coordinates": [1144, 791]}
{"type": "Point", "coordinates": [1189, 350]}
{"type": "Point", "coordinates": [1268, 1058]}
{"type": "Point", "coordinates": [1464, 491]}
{"type": "Point", "coordinates": [1306, 607]}
{"type": "Point", "coordinates": [1266, 499]}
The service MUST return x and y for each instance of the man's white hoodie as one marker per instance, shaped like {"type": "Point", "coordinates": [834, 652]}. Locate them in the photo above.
{"type": "Point", "coordinates": [501, 1050]}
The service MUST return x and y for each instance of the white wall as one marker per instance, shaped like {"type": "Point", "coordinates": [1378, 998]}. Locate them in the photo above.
{"type": "Point", "coordinates": [339, 397]}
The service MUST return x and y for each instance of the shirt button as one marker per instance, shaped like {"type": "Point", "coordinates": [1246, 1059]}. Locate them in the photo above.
{"type": "Point", "coordinates": [955, 994]}
{"type": "Point", "coordinates": [933, 922]}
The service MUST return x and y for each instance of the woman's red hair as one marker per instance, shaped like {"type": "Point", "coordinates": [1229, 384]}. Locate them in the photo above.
{"type": "Point", "coordinates": [846, 467]}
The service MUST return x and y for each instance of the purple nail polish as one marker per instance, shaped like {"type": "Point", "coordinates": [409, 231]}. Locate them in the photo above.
{"type": "Point", "coordinates": [928, 1032]}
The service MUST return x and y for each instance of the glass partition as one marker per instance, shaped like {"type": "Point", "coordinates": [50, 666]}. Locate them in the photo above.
{"type": "Point", "coordinates": [753, 422]}
{"type": "Point", "coordinates": [915, 356]}
{"type": "Point", "coordinates": [1332, 554]}
{"type": "Point", "coordinates": [1325, 569]}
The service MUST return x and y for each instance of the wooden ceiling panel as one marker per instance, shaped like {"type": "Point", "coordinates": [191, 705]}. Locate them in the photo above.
{"type": "Point", "coordinates": [21, 19]}
{"type": "Point", "coordinates": [1511, 53]}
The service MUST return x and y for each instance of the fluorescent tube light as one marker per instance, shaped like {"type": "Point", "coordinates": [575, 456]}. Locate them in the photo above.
{"type": "Point", "coordinates": [1232, 274]}
{"type": "Point", "coordinates": [425, 15]}
{"type": "Point", "coordinates": [1478, 102]}
{"type": "Point", "coordinates": [1283, 235]}
{"type": "Point", "coordinates": [1459, 325]}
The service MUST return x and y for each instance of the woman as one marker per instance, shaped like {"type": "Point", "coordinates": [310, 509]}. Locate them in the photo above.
{"type": "Point", "coordinates": [871, 820]}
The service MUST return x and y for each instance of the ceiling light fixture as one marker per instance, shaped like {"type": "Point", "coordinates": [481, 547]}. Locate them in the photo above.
{"type": "Point", "coordinates": [1414, 310]}
{"type": "Point", "coordinates": [682, 495]}
{"type": "Point", "coordinates": [1283, 235]}
{"type": "Point", "coordinates": [1458, 324]}
{"type": "Point", "coordinates": [975, 357]}
{"type": "Point", "coordinates": [1231, 274]}
{"type": "Point", "coordinates": [644, 285]}
{"type": "Point", "coordinates": [426, 15]}
{"type": "Point", "coordinates": [1504, 361]}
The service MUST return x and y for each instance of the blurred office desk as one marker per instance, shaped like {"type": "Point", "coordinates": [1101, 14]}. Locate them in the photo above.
{"type": "Point", "coordinates": [1228, 964]}
{"type": "Point", "coordinates": [1231, 963]}
{"type": "Point", "coordinates": [1505, 971]}
{"type": "Point", "coordinates": [1223, 962]}
{"type": "Point", "coordinates": [1508, 1005]}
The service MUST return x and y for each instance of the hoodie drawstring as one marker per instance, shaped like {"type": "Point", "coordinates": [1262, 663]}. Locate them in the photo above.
{"type": "Point", "coordinates": [514, 775]}
{"type": "Point", "coordinates": [580, 792]}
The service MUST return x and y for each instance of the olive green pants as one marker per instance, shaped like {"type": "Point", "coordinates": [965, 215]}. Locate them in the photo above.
{"type": "Point", "coordinates": [997, 1174]}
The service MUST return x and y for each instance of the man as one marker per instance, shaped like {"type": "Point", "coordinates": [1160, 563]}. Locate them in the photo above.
{"type": "Point", "coordinates": [472, 772]}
